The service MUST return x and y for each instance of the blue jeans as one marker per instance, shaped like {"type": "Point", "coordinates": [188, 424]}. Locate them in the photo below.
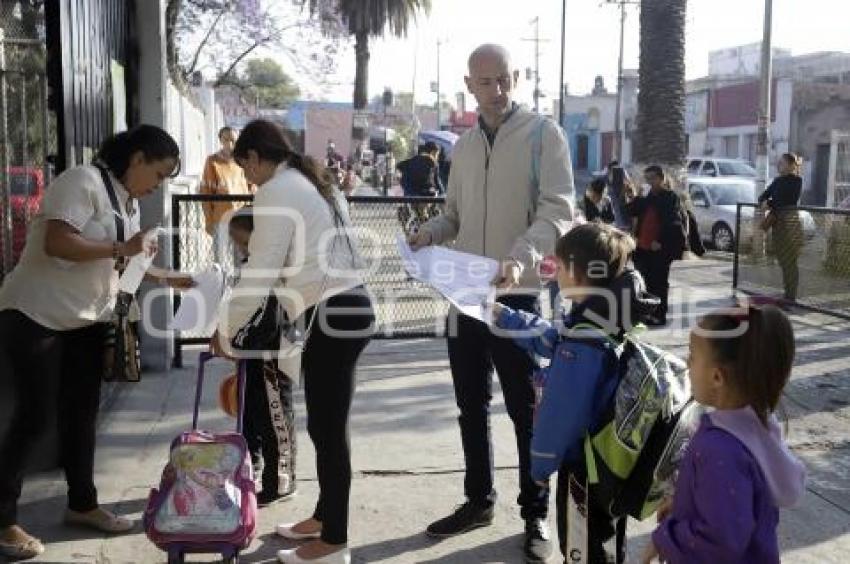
{"type": "Point", "coordinates": [473, 354]}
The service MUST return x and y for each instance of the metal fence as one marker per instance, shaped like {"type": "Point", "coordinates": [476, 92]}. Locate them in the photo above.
{"type": "Point", "coordinates": [405, 308]}
{"type": "Point", "coordinates": [806, 253]}
{"type": "Point", "coordinates": [838, 190]}
{"type": "Point", "coordinates": [27, 127]}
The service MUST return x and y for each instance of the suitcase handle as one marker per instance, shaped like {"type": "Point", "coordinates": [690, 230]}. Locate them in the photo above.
{"type": "Point", "coordinates": [205, 357]}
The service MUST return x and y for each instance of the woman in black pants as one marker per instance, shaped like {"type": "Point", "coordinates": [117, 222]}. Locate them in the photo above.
{"type": "Point", "coordinates": [54, 309]}
{"type": "Point", "coordinates": [300, 250]}
{"type": "Point", "coordinates": [782, 198]}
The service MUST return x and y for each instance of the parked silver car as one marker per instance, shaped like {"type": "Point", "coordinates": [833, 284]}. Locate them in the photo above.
{"type": "Point", "coordinates": [716, 167]}
{"type": "Point", "coordinates": [715, 204]}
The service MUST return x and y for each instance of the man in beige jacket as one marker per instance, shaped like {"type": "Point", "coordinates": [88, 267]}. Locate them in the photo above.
{"type": "Point", "coordinates": [509, 197]}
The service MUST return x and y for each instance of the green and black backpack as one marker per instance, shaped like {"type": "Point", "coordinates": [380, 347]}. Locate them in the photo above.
{"type": "Point", "coordinates": [632, 456]}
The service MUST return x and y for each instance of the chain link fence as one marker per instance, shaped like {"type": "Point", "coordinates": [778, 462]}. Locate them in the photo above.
{"type": "Point", "coordinates": [839, 189]}
{"type": "Point", "coordinates": [405, 308]}
{"type": "Point", "coordinates": [804, 258]}
{"type": "Point", "coordinates": [27, 127]}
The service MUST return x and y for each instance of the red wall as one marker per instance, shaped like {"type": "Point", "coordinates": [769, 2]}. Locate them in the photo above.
{"type": "Point", "coordinates": [737, 105]}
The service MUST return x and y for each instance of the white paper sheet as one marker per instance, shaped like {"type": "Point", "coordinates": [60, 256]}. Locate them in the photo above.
{"type": "Point", "coordinates": [464, 279]}
{"type": "Point", "coordinates": [198, 311]}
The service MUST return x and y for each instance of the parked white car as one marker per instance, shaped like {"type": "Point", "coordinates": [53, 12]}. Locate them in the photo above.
{"type": "Point", "coordinates": [708, 166]}
{"type": "Point", "coordinates": [715, 203]}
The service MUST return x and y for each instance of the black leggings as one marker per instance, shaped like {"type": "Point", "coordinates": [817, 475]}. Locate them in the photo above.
{"type": "Point", "coordinates": [34, 362]}
{"type": "Point", "coordinates": [342, 329]}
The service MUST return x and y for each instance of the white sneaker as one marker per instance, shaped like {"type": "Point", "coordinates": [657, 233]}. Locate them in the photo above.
{"type": "Point", "coordinates": [285, 530]}
{"type": "Point", "coordinates": [342, 556]}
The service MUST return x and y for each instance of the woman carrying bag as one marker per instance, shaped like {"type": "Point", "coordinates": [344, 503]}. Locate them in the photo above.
{"type": "Point", "coordinates": [300, 249]}
{"type": "Point", "coordinates": [780, 200]}
{"type": "Point", "coordinates": [55, 308]}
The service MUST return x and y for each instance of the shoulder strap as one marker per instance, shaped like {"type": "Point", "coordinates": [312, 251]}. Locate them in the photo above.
{"type": "Point", "coordinates": [536, 155]}
{"type": "Point", "coordinates": [113, 199]}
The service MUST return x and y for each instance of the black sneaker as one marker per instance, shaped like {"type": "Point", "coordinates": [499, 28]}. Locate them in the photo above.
{"type": "Point", "coordinates": [465, 518]}
{"type": "Point", "coordinates": [538, 546]}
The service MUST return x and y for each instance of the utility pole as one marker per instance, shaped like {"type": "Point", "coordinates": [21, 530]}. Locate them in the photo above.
{"type": "Point", "coordinates": [439, 109]}
{"type": "Point", "coordinates": [763, 142]}
{"type": "Point", "coordinates": [537, 41]}
{"type": "Point", "coordinates": [563, 53]}
{"type": "Point", "coordinates": [618, 133]}
{"type": "Point", "coordinates": [763, 139]}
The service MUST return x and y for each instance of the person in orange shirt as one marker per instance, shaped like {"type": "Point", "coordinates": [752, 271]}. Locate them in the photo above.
{"type": "Point", "coordinates": [222, 176]}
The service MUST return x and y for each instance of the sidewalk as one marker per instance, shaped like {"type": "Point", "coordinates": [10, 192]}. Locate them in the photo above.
{"type": "Point", "coordinates": [407, 458]}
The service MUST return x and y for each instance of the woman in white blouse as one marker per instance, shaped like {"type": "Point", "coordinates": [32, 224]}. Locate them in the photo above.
{"type": "Point", "coordinates": [300, 249]}
{"type": "Point", "coordinates": [54, 312]}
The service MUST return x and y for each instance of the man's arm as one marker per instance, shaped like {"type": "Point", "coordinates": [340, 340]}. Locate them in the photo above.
{"type": "Point", "coordinates": [555, 212]}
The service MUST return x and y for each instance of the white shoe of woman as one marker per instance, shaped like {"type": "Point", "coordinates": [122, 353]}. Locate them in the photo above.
{"type": "Point", "coordinates": [341, 556]}
{"type": "Point", "coordinates": [287, 532]}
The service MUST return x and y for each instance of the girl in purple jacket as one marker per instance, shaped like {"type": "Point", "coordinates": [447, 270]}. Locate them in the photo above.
{"type": "Point", "coordinates": [737, 472]}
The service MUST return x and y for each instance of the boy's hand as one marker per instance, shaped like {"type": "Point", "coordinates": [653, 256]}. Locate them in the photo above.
{"type": "Point", "coordinates": [497, 310]}
{"type": "Point", "coordinates": [218, 347]}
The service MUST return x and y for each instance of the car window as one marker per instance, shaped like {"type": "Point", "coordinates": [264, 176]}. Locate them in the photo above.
{"type": "Point", "coordinates": [693, 166]}
{"type": "Point", "coordinates": [731, 194]}
{"type": "Point", "coordinates": [733, 168]}
{"type": "Point", "coordinates": [698, 192]}
{"type": "Point", "coordinates": [709, 169]}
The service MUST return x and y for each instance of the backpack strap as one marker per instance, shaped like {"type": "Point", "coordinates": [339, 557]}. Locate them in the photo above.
{"type": "Point", "coordinates": [536, 155]}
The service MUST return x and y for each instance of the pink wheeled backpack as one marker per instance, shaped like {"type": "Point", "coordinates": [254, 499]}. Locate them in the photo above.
{"type": "Point", "coordinates": [206, 501]}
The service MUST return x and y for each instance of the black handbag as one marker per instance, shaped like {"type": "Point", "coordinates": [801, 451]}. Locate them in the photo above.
{"type": "Point", "coordinates": [122, 360]}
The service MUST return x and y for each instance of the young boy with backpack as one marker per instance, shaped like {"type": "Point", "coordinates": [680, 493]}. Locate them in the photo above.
{"type": "Point", "coordinates": [269, 426]}
{"type": "Point", "coordinates": [583, 379]}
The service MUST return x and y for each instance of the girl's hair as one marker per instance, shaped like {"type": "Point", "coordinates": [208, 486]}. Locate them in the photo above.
{"type": "Point", "coordinates": [794, 161]}
{"type": "Point", "coordinates": [243, 219]}
{"type": "Point", "coordinates": [757, 348]}
{"type": "Point", "coordinates": [597, 252]}
{"type": "Point", "coordinates": [269, 142]}
{"type": "Point", "coordinates": [154, 143]}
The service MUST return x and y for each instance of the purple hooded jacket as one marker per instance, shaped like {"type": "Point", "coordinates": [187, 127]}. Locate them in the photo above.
{"type": "Point", "coordinates": [736, 475]}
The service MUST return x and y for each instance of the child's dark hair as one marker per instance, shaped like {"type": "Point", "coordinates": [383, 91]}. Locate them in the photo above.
{"type": "Point", "coordinates": [598, 253]}
{"type": "Point", "coordinates": [243, 219]}
{"type": "Point", "coordinates": [270, 143]}
{"type": "Point", "coordinates": [597, 186]}
{"type": "Point", "coordinates": [153, 142]}
{"type": "Point", "coordinates": [757, 348]}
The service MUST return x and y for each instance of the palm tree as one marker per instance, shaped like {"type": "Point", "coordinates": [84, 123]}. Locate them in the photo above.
{"type": "Point", "coordinates": [661, 96]}
{"type": "Point", "coordinates": [371, 18]}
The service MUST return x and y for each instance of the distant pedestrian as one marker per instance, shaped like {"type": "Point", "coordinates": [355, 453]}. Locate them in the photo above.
{"type": "Point", "coordinates": [222, 177]}
{"type": "Point", "coordinates": [661, 234]}
{"type": "Point", "coordinates": [780, 200]}
{"type": "Point", "coordinates": [420, 174]}
{"type": "Point", "coordinates": [596, 204]}
{"type": "Point", "coordinates": [737, 471]}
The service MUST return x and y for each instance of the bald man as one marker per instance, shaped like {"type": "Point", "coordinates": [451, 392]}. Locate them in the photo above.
{"type": "Point", "coordinates": [509, 198]}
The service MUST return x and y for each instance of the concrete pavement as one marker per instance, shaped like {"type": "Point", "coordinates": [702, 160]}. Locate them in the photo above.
{"type": "Point", "coordinates": [407, 458]}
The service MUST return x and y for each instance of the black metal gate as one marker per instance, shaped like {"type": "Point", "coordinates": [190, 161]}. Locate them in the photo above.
{"type": "Point", "coordinates": [89, 43]}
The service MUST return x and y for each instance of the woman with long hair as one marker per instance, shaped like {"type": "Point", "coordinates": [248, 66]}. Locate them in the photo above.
{"type": "Point", "coordinates": [300, 249]}
{"type": "Point", "coordinates": [780, 200]}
